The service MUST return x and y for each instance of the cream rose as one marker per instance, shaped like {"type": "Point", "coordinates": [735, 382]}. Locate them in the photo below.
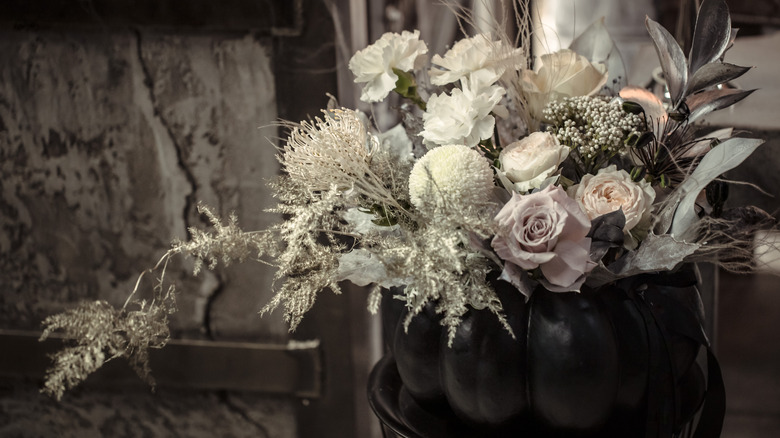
{"type": "Point", "coordinates": [545, 230]}
{"type": "Point", "coordinates": [611, 189]}
{"type": "Point", "coordinates": [528, 162]}
{"type": "Point", "coordinates": [561, 74]}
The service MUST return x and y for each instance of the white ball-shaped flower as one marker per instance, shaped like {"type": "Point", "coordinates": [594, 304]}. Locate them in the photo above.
{"type": "Point", "coordinates": [453, 176]}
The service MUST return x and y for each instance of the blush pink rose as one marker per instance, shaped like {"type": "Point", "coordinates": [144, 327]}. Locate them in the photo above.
{"type": "Point", "coordinates": [545, 230]}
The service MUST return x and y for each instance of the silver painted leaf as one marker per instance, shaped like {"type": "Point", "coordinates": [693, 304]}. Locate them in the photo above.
{"type": "Point", "coordinates": [732, 38]}
{"type": "Point", "coordinates": [656, 253]}
{"type": "Point", "coordinates": [362, 268]}
{"type": "Point", "coordinates": [720, 159]}
{"type": "Point", "coordinates": [703, 144]}
{"type": "Point", "coordinates": [712, 34]}
{"type": "Point", "coordinates": [597, 45]}
{"type": "Point", "coordinates": [396, 143]}
{"type": "Point", "coordinates": [518, 278]}
{"type": "Point", "coordinates": [363, 223]}
{"type": "Point", "coordinates": [706, 102]}
{"type": "Point", "coordinates": [672, 60]}
{"type": "Point", "coordinates": [714, 73]}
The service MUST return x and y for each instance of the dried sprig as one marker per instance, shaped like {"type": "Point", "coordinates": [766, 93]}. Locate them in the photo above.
{"type": "Point", "coordinates": [309, 259]}
{"type": "Point", "coordinates": [223, 242]}
{"type": "Point", "coordinates": [731, 240]}
{"type": "Point", "coordinates": [438, 262]}
{"type": "Point", "coordinates": [100, 332]}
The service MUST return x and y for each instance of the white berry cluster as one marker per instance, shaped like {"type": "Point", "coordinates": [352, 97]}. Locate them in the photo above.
{"type": "Point", "coordinates": [593, 125]}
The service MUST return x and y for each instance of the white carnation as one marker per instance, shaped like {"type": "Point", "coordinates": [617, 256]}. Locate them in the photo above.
{"type": "Point", "coordinates": [374, 65]}
{"type": "Point", "coordinates": [452, 175]}
{"type": "Point", "coordinates": [478, 54]}
{"type": "Point", "coordinates": [462, 117]}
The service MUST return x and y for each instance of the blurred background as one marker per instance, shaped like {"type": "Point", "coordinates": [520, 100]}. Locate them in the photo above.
{"type": "Point", "coordinates": [118, 116]}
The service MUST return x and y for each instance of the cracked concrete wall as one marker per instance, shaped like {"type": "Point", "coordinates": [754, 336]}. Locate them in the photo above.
{"type": "Point", "coordinates": [108, 139]}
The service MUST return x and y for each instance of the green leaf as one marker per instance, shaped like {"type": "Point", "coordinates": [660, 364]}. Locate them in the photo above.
{"type": "Point", "coordinates": [406, 86]}
{"type": "Point", "coordinates": [383, 216]}
{"type": "Point", "coordinates": [637, 173]}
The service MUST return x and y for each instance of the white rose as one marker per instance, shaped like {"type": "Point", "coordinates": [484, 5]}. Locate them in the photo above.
{"type": "Point", "coordinates": [561, 74]}
{"type": "Point", "coordinates": [476, 54]}
{"type": "Point", "coordinates": [463, 116]}
{"type": "Point", "coordinates": [530, 161]}
{"type": "Point", "coordinates": [374, 65]}
{"type": "Point", "coordinates": [611, 189]}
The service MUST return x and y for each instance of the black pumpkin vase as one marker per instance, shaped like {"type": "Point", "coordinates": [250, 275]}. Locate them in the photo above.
{"type": "Point", "coordinates": [607, 362]}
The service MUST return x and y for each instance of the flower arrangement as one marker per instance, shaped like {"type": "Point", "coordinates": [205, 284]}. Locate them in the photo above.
{"type": "Point", "coordinates": [556, 176]}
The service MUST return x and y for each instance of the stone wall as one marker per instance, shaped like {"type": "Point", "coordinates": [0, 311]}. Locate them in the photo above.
{"type": "Point", "coordinates": [108, 141]}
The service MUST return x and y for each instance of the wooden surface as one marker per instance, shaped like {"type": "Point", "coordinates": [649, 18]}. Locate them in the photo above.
{"type": "Point", "coordinates": [293, 369]}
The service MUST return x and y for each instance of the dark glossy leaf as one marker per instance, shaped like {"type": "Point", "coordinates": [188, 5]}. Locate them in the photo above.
{"type": "Point", "coordinates": [706, 102]}
{"type": "Point", "coordinates": [717, 193]}
{"type": "Point", "coordinates": [644, 139]}
{"type": "Point", "coordinates": [606, 231]}
{"type": "Point", "coordinates": [712, 34]}
{"type": "Point", "coordinates": [714, 73]}
{"type": "Point", "coordinates": [597, 45]}
{"type": "Point", "coordinates": [672, 59]}
{"type": "Point", "coordinates": [632, 108]}
{"type": "Point", "coordinates": [608, 227]}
